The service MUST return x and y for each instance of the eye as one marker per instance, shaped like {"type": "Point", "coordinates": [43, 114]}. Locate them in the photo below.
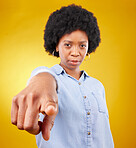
{"type": "Point", "coordinates": [67, 45]}
{"type": "Point", "coordinates": [83, 46]}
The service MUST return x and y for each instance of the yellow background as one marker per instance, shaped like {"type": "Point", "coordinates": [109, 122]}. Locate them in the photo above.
{"type": "Point", "coordinates": [21, 50]}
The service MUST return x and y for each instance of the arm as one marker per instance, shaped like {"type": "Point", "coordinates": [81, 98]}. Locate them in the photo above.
{"type": "Point", "coordinates": [39, 96]}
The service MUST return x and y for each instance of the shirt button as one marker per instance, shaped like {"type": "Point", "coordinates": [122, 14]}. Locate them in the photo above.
{"type": "Point", "coordinates": [79, 83]}
{"type": "Point", "coordinates": [89, 133]}
{"type": "Point", "coordinates": [88, 113]}
{"type": "Point", "coordinates": [84, 96]}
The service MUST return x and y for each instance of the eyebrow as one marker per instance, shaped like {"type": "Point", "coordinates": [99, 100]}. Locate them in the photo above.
{"type": "Point", "coordinates": [71, 41]}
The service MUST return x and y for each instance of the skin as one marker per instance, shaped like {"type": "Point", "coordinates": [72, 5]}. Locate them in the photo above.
{"type": "Point", "coordinates": [72, 50]}
{"type": "Point", "coordinates": [40, 95]}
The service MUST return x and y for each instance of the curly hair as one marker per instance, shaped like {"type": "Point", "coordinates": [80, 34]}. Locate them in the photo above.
{"type": "Point", "coordinates": [66, 20]}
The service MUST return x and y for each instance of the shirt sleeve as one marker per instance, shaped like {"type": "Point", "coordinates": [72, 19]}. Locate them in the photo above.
{"type": "Point", "coordinates": [42, 69]}
{"type": "Point", "coordinates": [104, 97]}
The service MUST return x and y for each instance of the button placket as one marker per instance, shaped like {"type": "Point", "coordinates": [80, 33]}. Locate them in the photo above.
{"type": "Point", "coordinates": [87, 107]}
{"type": "Point", "coordinates": [88, 118]}
{"type": "Point", "coordinates": [88, 113]}
{"type": "Point", "coordinates": [79, 83]}
{"type": "Point", "coordinates": [84, 97]}
{"type": "Point", "coordinates": [89, 133]}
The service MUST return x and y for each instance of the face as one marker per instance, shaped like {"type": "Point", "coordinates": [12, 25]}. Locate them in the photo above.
{"type": "Point", "coordinates": [72, 49]}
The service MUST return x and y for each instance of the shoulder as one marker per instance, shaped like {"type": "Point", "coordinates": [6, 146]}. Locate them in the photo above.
{"type": "Point", "coordinates": [95, 84]}
{"type": "Point", "coordinates": [42, 69]}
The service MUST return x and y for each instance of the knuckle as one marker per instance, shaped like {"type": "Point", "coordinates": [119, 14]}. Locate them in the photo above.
{"type": "Point", "coordinates": [53, 100]}
{"type": "Point", "coordinates": [14, 100]}
{"type": "Point", "coordinates": [19, 98]}
{"type": "Point", "coordinates": [20, 126]}
{"type": "Point", "coordinates": [52, 103]}
{"type": "Point", "coordinates": [28, 127]}
{"type": "Point", "coordinates": [14, 122]}
{"type": "Point", "coordinates": [31, 94]}
{"type": "Point", "coordinates": [22, 96]}
{"type": "Point", "coordinates": [20, 116]}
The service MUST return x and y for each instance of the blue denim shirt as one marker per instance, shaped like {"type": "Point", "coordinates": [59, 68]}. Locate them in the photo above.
{"type": "Point", "coordinates": [82, 120]}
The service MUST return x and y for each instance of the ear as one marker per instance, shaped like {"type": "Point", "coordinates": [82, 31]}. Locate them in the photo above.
{"type": "Point", "coordinates": [57, 49]}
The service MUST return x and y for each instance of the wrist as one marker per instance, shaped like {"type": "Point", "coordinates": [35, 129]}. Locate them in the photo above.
{"type": "Point", "coordinates": [45, 77]}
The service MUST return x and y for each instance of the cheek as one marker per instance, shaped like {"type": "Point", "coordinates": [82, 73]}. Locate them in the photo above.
{"type": "Point", "coordinates": [84, 53]}
{"type": "Point", "coordinates": [63, 54]}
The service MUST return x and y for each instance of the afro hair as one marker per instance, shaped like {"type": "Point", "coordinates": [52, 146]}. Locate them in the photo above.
{"type": "Point", "coordinates": [67, 20]}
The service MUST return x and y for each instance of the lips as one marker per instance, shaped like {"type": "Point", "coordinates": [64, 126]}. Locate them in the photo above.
{"type": "Point", "coordinates": [74, 62]}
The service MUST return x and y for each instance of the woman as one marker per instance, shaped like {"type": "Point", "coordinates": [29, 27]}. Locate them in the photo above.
{"type": "Point", "coordinates": [72, 103]}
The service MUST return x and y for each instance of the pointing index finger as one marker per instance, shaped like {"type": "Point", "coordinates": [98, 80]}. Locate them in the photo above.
{"type": "Point", "coordinates": [49, 106]}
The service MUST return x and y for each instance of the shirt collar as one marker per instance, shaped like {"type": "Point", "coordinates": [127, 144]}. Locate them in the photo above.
{"type": "Point", "coordinates": [85, 73]}
{"type": "Point", "coordinates": [59, 70]}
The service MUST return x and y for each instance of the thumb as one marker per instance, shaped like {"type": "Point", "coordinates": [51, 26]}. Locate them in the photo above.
{"type": "Point", "coordinates": [47, 125]}
{"type": "Point", "coordinates": [50, 110]}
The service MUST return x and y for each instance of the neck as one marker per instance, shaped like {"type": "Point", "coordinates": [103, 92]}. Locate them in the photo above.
{"type": "Point", "coordinates": [75, 73]}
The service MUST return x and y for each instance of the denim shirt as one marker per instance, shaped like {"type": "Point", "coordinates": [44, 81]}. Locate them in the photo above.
{"type": "Point", "coordinates": [82, 120]}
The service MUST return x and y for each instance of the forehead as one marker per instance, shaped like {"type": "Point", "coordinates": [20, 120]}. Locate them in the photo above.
{"type": "Point", "coordinates": [77, 35]}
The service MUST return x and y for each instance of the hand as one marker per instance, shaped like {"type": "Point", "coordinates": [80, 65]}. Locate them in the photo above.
{"type": "Point", "coordinates": [39, 96]}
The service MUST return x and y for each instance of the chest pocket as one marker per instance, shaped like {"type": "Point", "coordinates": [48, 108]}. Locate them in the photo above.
{"type": "Point", "coordinates": [102, 107]}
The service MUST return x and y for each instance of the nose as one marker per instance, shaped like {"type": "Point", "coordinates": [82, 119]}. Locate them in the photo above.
{"type": "Point", "coordinates": [75, 52]}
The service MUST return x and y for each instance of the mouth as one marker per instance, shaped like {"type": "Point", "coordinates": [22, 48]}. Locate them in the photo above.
{"type": "Point", "coordinates": [74, 62]}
